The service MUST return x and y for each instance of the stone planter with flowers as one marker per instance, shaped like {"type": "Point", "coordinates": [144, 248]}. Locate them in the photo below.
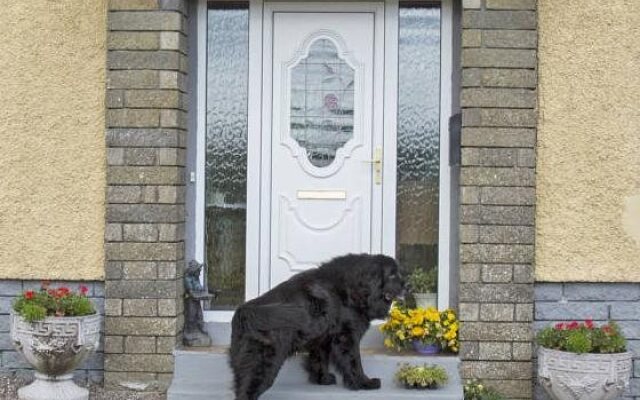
{"type": "Point", "coordinates": [583, 361]}
{"type": "Point", "coordinates": [428, 331]}
{"type": "Point", "coordinates": [55, 329]}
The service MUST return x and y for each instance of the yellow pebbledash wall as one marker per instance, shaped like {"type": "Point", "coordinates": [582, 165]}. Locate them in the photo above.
{"type": "Point", "coordinates": [52, 144]}
{"type": "Point", "coordinates": [588, 168]}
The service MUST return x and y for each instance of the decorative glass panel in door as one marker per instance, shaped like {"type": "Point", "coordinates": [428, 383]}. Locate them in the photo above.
{"type": "Point", "coordinates": [226, 151]}
{"type": "Point", "coordinates": [418, 167]}
{"type": "Point", "coordinates": [322, 89]}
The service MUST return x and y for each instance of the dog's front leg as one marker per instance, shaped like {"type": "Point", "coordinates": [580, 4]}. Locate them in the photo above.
{"type": "Point", "coordinates": [346, 356]}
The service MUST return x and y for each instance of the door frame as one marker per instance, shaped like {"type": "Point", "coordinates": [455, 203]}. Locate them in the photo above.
{"type": "Point", "coordinates": [256, 182]}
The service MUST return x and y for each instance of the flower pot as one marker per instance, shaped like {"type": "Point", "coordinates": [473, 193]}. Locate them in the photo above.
{"type": "Point", "coordinates": [572, 376]}
{"type": "Point", "coordinates": [55, 346]}
{"type": "Point", "coordinates": [426, 348]}
{"type": "Point", "coordinates": [426, 300]}
{"type": "Point", "coordinates": [418, 387]}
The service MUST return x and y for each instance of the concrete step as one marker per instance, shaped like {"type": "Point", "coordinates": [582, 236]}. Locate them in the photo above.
{"type": "Point", "coordinates": [205, 374]}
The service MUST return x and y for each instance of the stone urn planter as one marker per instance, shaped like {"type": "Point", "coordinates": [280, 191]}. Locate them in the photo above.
{"type": "Point", "coordinates": [55, 346]}
{"type": "Point", "coordinates": [571, 376]}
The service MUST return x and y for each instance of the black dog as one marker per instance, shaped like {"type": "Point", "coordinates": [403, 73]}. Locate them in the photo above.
{"type": "Point", "coordinates": [324, 311]}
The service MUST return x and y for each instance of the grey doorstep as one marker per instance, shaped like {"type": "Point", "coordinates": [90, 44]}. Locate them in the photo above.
{"type": "Point", "coordinates": [205, 375]}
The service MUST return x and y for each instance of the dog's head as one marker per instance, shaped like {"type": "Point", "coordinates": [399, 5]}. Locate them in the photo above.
{"type": "Point", "coordinates": [386, 284]}
{"type": "Point", "coordinates": [393, 286]}
{"type": "Point", "coordinates": [370, 283]}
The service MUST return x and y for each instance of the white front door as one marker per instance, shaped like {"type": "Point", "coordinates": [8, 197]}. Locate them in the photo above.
{"type": "Point", "coordinates": [322, 137]}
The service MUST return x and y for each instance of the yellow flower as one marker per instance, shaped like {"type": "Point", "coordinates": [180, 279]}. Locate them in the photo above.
{"type": "Point", "coordinates": [418, 331]}
{"type": "Point", "coordinates": [388, 342]}
{"type": "Point", "coordinates": [416, 317]}
{"type": "Point", "coordinates": [396, 314]}
{"type": "Point", "coordinates": [432, 315]}
{"type": "Point", "coordinates": [400, 335]}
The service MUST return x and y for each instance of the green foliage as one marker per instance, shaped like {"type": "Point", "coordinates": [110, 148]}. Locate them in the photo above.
{"type": "Point", "coordinates": [37, 305]}
{"type": "Point", "coordinates": [475, 390]}
{"type": "Point", "coordinates": [421, 376]}
{"type": "Point", "coordinates": [423, 281]}
{"type": "Point", "coordinates": [33, 312]}
{"type": "Point", "coordinates": [583, 338]}
{"type": "Point", "coordinates": [579, 342]}
{"type": "Point", "coordinates": [609, 342]}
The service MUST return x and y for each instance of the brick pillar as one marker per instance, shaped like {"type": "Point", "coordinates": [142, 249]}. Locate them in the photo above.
{"type": "Point", "coordinates": [499, 40]}
{"type": "Point", "coordinates": [146, 136]}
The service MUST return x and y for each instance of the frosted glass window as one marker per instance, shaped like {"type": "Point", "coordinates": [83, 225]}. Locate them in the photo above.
{"type": "Point", "coordinates": [418, 136]}
{"type": "Point", "coordinates": [226, 151]}
{"type": "Point", "coordinates": [322, 90]}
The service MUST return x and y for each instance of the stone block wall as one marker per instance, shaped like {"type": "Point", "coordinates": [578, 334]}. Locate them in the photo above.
{"type": "Point", "coordinates": [557, 302]}
{"type": "Point", "coordinates": [497, 192]}
{"type": "Point", "coordinates": [146, 139]}
{"type": "Point", "coordinates": [12, 363]}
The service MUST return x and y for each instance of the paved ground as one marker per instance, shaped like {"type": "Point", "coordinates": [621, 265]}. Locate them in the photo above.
{"type": "Point", "coordinates": [10, 385]}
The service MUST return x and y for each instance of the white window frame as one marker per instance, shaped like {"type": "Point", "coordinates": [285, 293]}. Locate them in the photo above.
{"type": "Point", "coordinates": [254, 178]}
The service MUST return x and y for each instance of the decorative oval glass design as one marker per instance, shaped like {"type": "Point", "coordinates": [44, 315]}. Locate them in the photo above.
{"type": "Point", "coordinates": [322, 98]}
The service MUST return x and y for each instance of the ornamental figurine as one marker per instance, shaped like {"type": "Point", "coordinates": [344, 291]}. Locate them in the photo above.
{"type": "Point", "coordinates": [194, 333]}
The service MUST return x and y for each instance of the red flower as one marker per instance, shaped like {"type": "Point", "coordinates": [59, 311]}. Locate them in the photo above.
{"type": "Point", "coordinates": [573, 325]}
{"type": "Point", "coordinates": [29, 294]}
{"type": "Point", "coordinates": [63, 291]}
{"type": "Point", "coordinates": [559, 326]}
{"type": "Point", "coordinates": [607, 329]}
{"type": "Point", "coordinates": [588, 324]}
{"type": "Point", "coordinates": [84, 290]}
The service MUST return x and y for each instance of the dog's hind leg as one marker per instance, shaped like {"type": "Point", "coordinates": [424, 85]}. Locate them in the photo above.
{"type": "Point", "coordinates": [318, 363]}
{"type": "Point", "coordinates": [257, 371]}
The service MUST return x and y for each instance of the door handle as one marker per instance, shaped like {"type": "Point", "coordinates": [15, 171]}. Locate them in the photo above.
{"type": "Point", "coordinates": [377, 165]}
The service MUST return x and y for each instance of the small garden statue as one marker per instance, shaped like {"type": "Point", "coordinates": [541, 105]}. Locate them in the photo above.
{"type": "Point", "coordinates": [194, 333]}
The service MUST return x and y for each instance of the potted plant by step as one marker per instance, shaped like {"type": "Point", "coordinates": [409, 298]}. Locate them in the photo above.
{"type": "Point", "coordinates": [421, 376]}
{"type": "Point", "coordinates": [55, 329]}
{"type": "Point", "coordinates": [475, 390]}
{"type": "Point", "coordinates": [583, 361]}
{"type": "Point", "coordinates": [427, 331]}
{"type": "Point", "coordinates": [423, 285]}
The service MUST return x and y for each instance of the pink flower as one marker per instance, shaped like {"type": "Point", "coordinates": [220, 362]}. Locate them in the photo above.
{"type": "Point", "coordinates": [559, 326]}
{"type": "Point", "coordinates": [573, 325]}
{"type": "Point", "coordinates": [84, 290]}
{"type": "Point", "coordinates": [588, 324]}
